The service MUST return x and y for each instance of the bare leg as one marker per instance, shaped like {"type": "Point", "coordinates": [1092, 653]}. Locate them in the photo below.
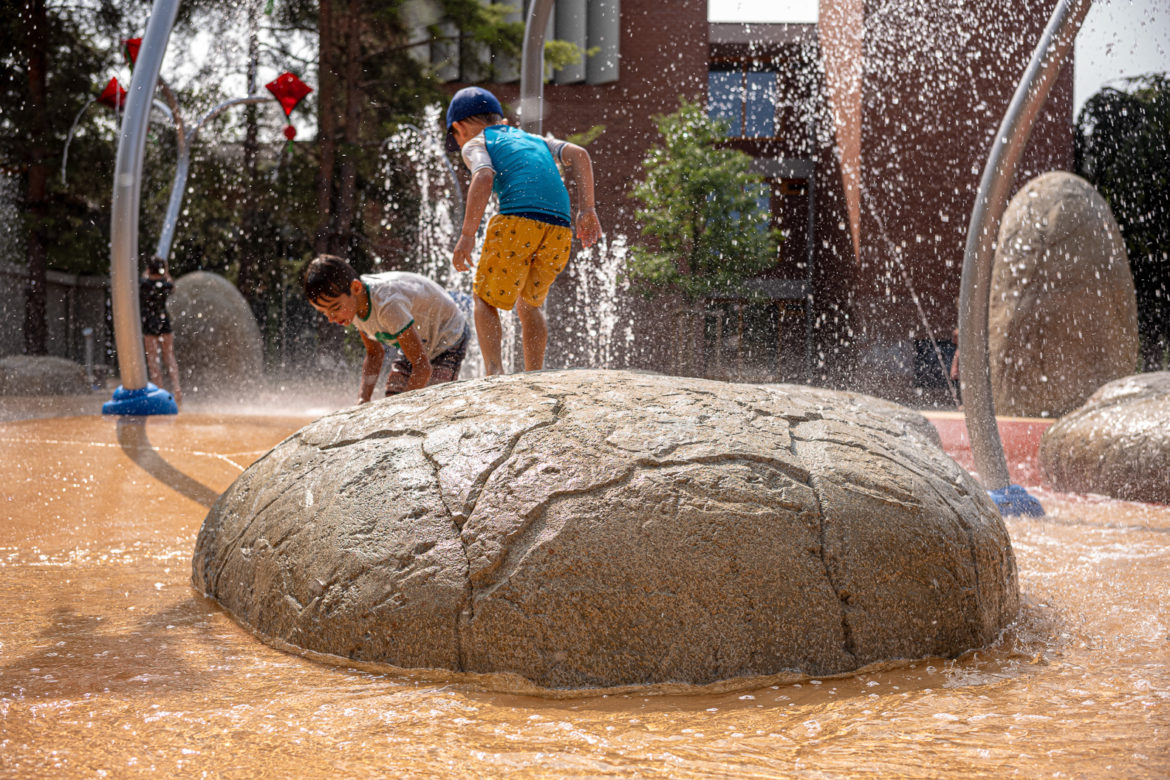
{"type": "Point", "coordinates": [152, 360]}
{"type": "Point", "coordinates": [490, 334]}
{"type": "Point", "coordinates": [396, 382]}
{"type": "Point", "coordinates": [533, 334]}
{"type": "Point", "coordinates": [167, 340]}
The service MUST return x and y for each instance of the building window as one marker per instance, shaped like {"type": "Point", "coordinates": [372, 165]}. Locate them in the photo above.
{"type": "Point", "coordinates": [746, 99]}
{"type": "Point", "coordinates": [789, 206]}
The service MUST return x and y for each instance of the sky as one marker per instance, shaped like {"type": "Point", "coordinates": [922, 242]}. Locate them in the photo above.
{"type": "Point", "coordinates": [1119, 38]}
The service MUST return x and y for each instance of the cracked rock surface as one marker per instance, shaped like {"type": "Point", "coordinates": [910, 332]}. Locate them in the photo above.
{"type": "Point", "coordinates": [1117, 444]}
{"type": "Point", "coordinates": [590, 529]}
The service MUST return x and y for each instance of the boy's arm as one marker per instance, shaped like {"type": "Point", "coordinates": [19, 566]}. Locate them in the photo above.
{"type": "Point", "coordinates": [579, 168]}
{"type": "Point", "coordinates": [371, 367]}
{"type": "Point", "coordinates": [478, 195]}
{"type": "Point", "coordinates": [420, 366]}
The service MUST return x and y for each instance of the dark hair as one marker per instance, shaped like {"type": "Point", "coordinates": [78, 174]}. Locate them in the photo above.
{"type": "Point", "coordinates": [156, 265]}
{"type": "Point", "coordinates": [327, 276]}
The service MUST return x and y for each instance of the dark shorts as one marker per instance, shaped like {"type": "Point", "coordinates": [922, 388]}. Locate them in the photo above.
{"type": "Point", "coordinates": [156, 326]}
{"type": "Point", "coordinates": [444, 366]}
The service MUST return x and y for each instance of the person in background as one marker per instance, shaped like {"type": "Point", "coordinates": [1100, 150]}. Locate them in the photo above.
{"type": "Point", "coordinates": [154, 288]}
{"type": "Point", "coordinates": [955, 367]}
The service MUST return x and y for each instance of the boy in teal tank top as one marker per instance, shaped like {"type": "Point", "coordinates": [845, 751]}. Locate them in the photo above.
{"type": "Point", "coordinates": [528, 242]}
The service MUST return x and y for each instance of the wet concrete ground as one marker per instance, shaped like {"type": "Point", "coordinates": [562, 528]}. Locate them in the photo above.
{"type": "Point", "coordinates": [112, 665]}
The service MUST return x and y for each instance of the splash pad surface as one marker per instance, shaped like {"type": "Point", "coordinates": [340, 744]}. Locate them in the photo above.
{"type": "Point", "coordinates": [110, 662]}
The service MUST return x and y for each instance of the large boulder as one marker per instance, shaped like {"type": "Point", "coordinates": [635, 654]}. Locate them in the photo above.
{"type": "Point", "coordinates": [589, 529]}
{"type": "Point", "coordinates": [910, 421]}
{"type": "Point", "coordinates": [1117, 444]}
{"type": "Point", "coordinates": [1063, 316]}
{"type": "Point", "coordinates": [41, 375]}
{"type": "Point", "coordinates": [218, 345]}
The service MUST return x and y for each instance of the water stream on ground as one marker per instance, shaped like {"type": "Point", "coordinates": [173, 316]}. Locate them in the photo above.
{"type": "Point", "coordinates": [112, 665]}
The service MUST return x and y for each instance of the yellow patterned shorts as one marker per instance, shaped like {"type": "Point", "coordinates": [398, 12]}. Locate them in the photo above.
{"type": "Point", "coordinates": [521, 257]}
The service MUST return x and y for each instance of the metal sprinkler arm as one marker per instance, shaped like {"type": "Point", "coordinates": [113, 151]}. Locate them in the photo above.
{"type": "Point", "coordinates": [183, 166]}
{"type": "Point", "coordinates": [975, 288]}
{"type": "Point", "coordinates": [73, 128]}
{"type": "Point", "coordinates": [135, 395]}
{"type": "Point", "coordinates": [220, 108]}
{"type": "Point", "coordinates": [69, 138]}
{"type": "Point", "coordinates": [532, 66]}
{"type": "Point", "coordinates": [127, 196]}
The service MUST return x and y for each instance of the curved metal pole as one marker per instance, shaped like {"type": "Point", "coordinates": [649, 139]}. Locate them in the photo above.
{"type": "Point", "coordinates": [127, 194]}
{"type": "Point", "coordinates": [73, 128]}
{"type": "Point", "coordinates": [69, 138]}
{"type": "Point", "coordinates": [975, 288]}
{"type": "Point", "coordinates": [178, 189]}
{"type": "Point", "coordinates": [173, 118]}
{"type": "Point", "coordinates": [532, 66]}
{"type": "Point", "coordinates": [183, 167]}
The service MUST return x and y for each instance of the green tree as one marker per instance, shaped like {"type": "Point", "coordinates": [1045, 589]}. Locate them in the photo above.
{"type": "Point", "coordinates": [703, 211]}
{"type": "Point", "coordinates": [1123, 149]}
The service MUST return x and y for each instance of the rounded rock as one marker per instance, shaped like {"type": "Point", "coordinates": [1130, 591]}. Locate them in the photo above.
{"type": "Point", "coordinates": [598, 529]}
{"type": "Point", "coordinates": [1062, 316]}
{"type": "Point", "coordinates": [1117, 444]}
{"type": "Point", "coordinates": [41, 375]}
{"type": "Point", "coordinates": [218, 345]}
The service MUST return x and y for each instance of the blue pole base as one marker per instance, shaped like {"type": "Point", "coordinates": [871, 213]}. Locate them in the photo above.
{"type": "Point", "coordinates": [1014, 500]}
{"type": "Point", "coordinates": [143, 401]}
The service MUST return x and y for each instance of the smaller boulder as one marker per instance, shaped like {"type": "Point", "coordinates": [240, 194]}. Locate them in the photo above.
{"type": "Point", "coordinates": [1117, 444]}
{"type": "Point", "coordinates": [41, 375]}
{"type": "Point", "coordinates": [218, 345]}
{"type": "Point", "coordinates": [1062, 319]}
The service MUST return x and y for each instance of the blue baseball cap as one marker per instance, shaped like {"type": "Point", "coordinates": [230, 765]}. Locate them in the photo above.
{"type": "Point", "coordinates": [469, 101]}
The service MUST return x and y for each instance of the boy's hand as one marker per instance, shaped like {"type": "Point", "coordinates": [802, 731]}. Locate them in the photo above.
{"type": "Point", "coordinates": [588, 227]}
{"type": "Point", "coordinates": [461, 257]}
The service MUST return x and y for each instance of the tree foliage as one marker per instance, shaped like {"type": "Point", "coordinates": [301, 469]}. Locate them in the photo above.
{"type": "Point", "coordinates": [1123, 149]}
{"type": "Point", "coordinates": [48, 56]}
{"type": "Point", "coordinates": [703, 210]}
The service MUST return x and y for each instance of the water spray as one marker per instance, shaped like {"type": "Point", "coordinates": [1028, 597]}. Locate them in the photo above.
{"type": "Point", "coordinates": [905, 272]}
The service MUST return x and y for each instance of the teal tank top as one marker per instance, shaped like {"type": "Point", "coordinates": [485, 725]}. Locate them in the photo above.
{"type": "Point", "coordinates": [527, 181]}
